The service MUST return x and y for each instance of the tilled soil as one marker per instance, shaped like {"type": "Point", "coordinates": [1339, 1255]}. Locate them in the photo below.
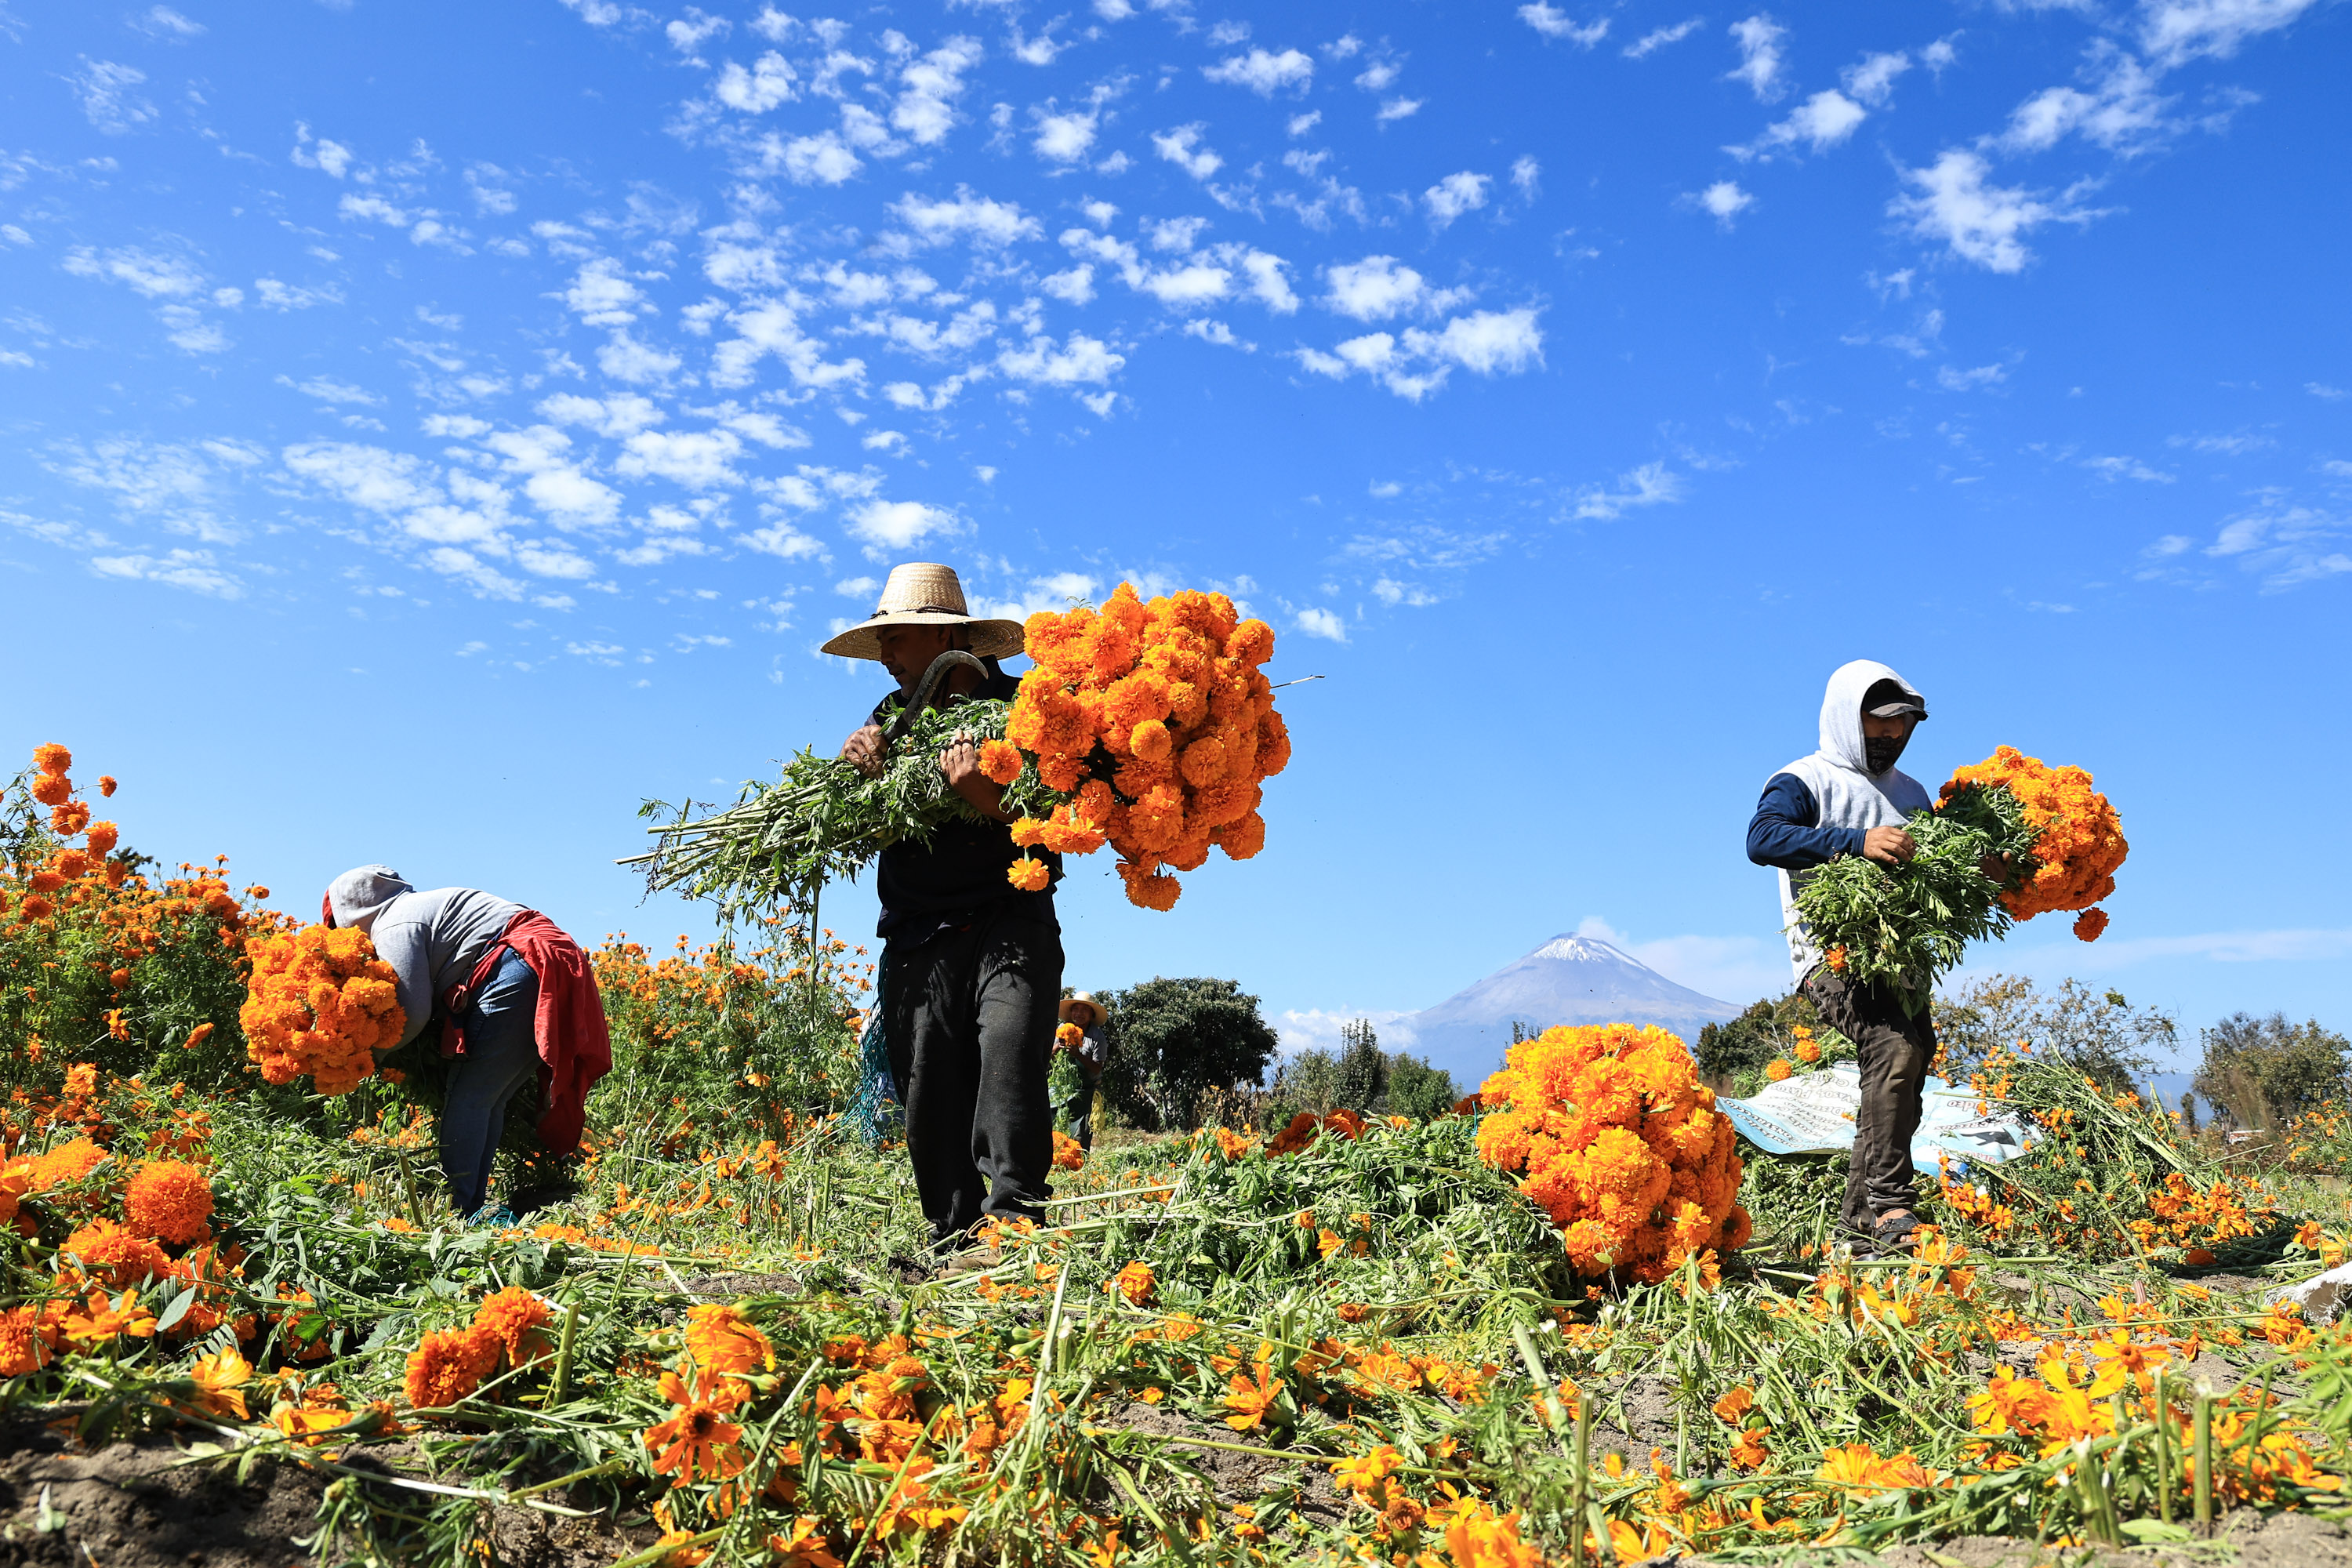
{"type": "Point", "coordinates": [2245, 1540]}
{"type": "Point", "coordinates": [133, 1505]}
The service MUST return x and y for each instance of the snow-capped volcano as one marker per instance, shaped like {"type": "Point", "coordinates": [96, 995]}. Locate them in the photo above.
{"type": "Point", "coordinates": [1568, 979]}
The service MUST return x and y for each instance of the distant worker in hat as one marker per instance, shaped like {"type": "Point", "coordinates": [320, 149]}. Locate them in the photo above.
{"type": "Point", "coordinates": [1849, 798]}
{"type": "Point", "coordinates": [1080, 1049]}
{"type": "Point", "coordinates": [515, 998]}
{"type": "Point", "coordinates": [971, 965]}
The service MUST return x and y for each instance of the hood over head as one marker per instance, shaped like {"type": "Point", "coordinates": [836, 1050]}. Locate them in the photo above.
{"type": "Point", "coordinates": [359, 895]}
{"type": "Point", "coordinates": [1842, 710]}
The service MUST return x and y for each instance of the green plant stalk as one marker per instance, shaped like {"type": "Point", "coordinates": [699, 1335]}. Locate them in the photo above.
{"type": "Point", "coordinates": [2204, 1456]}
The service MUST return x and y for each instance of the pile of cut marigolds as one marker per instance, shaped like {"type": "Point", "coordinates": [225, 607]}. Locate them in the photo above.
{"type": "Point", "coordinates": [1346, 1340]}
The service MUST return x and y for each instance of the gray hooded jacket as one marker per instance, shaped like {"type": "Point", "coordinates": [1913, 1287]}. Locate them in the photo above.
{"type": "Point", "coordinates": [1848, 800]}
{"type": "Point", "coordinates": [432, 940]}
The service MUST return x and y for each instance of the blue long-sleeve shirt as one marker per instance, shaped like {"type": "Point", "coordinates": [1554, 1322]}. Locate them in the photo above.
{"type": "Point", "coordinates": [1786, 832]}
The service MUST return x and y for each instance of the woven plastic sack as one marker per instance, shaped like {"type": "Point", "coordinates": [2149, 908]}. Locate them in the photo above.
{"type": "Point", "coordinates": [873, 1107]}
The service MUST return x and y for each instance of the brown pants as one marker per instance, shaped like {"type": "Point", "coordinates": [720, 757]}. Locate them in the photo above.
{"type": "Point", "coordinates": [1895, 1049]}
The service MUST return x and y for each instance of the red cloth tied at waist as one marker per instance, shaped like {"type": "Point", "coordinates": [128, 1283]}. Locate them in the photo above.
{"type": "Point", "coordinates": [576, 1047]}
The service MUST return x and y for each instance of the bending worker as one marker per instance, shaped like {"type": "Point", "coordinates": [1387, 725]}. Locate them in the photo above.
{"type": "Point", "coordinates": [1848, 798]}
{"type": "Point", "coordinates": [972, 966]}
{"type": "Point", "coordinates": [514, 996]}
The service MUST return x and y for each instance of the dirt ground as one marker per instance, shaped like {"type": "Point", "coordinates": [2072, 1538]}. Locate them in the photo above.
{"type": "Point", "coordinates": [137, 1505]}
{"type": "Point", "coordinates": [2244, 1540]}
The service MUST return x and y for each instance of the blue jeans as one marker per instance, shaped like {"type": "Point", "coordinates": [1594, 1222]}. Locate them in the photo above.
{"type": "Point", "coordinates": [502, 1055]}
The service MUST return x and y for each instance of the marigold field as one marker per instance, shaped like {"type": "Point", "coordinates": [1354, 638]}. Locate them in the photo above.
{"type": "Point", "coordinates": [1570, 1322]}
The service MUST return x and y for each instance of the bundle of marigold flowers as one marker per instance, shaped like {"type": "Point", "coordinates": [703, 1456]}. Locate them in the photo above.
{"type": "Point", "coordinates": [1614, 1137]}
{"type": "Point", "coordinates": [2007, 839]}
{"type": "Point", "coordinates": [321, 1001]}
{"type": "Point", "coordinates": [1145, 725]}
{"type": "Point", "coordinates": [1153, 728]}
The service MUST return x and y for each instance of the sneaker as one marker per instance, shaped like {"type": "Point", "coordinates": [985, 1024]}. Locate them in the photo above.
{"type": "Point", "coordinates": [497, 1217]}
{"type": "Point", "coordinates": [1893, 1231]}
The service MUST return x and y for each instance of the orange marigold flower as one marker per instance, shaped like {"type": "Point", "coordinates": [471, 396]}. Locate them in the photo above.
{"type": "Point", "coordinates": [106, 784]}
{"type": "Point", "coordinates": [1029, 876]}
{"type": "Point", "coordinates": [70, 818]}
{"type": "Point", "coordinates": [1836, 958]}
{"type": "Point", "coordinates": [29, 1340]}
{"type": "Point", "coordinates": [1000, 762]}
{"type": "Point", "coordinates": [117, 1254]}
{"type": "Point", "coordinates": [196, 1037]}
{"type": "Point", "coordinates": [51, 758]}
{"type": "Point", "coordinates": [698, 1442]}
{"type": "Point", "coordinates": [1778, 1068]}
{"type": "Point", "coordinates": [1069, 1154]}
{"type": "Point", "coordinates": [169, 1200]}
{"type": "Point", "coordinates": [722, 1339]}
{"type": "Point", "coordinates": [65, 1165]}
{"type": "Point", "coordinates": [220, 1379]}
{"type": "Point", "coordinates": [513, 1318]}
{"type": "Point", "coordinates": [53, 789]}
{"type": "Point", "coordinates": [102, 838]}
{"type": "Point", "coordinates": [36, 908]}
{"type": "Point", "coordinates": [449, 1365]}
{"type": "Point", "coordinates": [1134, 1281]}
{"type": "Point", "coordinates": [1808, 1051]}
{"type": "Point", "coordinates": [2090, 924]}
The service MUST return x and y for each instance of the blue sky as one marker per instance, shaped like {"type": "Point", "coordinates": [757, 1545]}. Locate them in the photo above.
{"type": "Point", "coordinates": [434, 428]}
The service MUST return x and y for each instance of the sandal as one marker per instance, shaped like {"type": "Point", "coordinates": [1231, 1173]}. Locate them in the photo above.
{"type": "Point", "coordinates": [1893, 1229]}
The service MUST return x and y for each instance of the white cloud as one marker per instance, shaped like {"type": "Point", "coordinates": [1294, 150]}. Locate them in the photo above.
{"type": "Point", "coordinates": [768, 83]}
{"type": "Point", "coordinates": [930, 85]}
{"type": "Point", "coordinates": [1759, 38]}
{"type": "Point", "coordinates": [1182, 147]}
{"type": "Point", "coordinates": [687, 34]}
{"type": "Point", "coordinates": [1077, 286]}
{"type": "Point", "coordinates": [697, 459]}
{"type": "Point", "coordinates": [623, 414]}
{"type": "Point", "coordinates": [1454, 196]}
{"type": "Point", "coordinates": [163, 22]}
{"type": "Point", "coordinates": [895, 525]}
{"type": "Point", "coordinates": [487, 580]}
{"type": "Point", "coordinates": [1264, 73]}
{"type": "Point", "coordinates": [1983, 375]}
{"type": "Point", "coordinates": [373, 209]}
{"type": "Point", "coordinates": [368, 478]}
{"type": "Point", "coordinates": [108, 95]}
{"type": "Point", "coordinates": [2176, 31]}
{"type": "Point", "coordinates": [2114, 468]}
{"type": "Point", "coordinates": [2322, 390]}
{"type": "Point", "coordinates": [1728, 968]}
{"type": "Point", "coordinates": [1821, 122]}
{"type": "Point", "coordinates": [142, 271]}
{"type": "Point", "coordinates": [553, 561]}
{"type": "Point", "coordinates": [1872, 80]}
{"type": "Point", "coordinates": [602, 297]}
{"type": "Point", "coordinates": [1554, 23]}
{"type": "Point", "coordinates": [1218, 332]}
{"type": "Point", "coordinates": [1417, 363]}
{"type": "Point", "coordinates": [977, 218]}
{"type": "Point", "coordinates": [784, 542]}
{"type": "Point", "coordinates": [1527, 174]}
{"type": "Point", "coordinates": [2122, 112]}
{"type": "Point", "coordinates": [1079, 360]}
{"type": "Point", "coordinates": [625, 358]}
{"type": "Point", "coordinates": [1379, 287]}
{"type": "Point", "coordinates": [1317, 622]}
{"type": "Point", "coordinates": [328, 390]}
{"type": "Point", "coordinates": [1064, 138]}
{"type": "Point", "coordinates": [1651, 484]}
{"type": "Point", "coordinates": [1396, 108]}
{"type": "Point", "coordinates": [1378, 75]}
{"type": "Point", "coordinates": [1651, 42]}
{"type": "Point", "coordinates": [1724, 201]}
{"type": "Point", "coordinates": [330, 158]}
{"type": "Point", "coordinates": [1980, 223]}
{"type": "Point", "coordinates": [1268, 283]}
{"type": "Point", "coordinates": [193, 570]}
{"type": "Point", "coordinates": [821, 160]}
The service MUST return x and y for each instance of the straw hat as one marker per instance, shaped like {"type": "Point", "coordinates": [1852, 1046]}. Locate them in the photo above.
{"type": "Point", "coordinates": [924, 594]}
{"type": "Point", "coordinates": [1082, 1001]}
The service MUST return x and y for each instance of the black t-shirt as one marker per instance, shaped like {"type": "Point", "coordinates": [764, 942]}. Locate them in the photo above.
{"type": "Point", "coordinates": [964, 868]}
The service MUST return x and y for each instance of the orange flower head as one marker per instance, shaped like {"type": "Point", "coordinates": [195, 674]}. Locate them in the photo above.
{"type": "Point", "coordinates": [722, 1339]}
{"type": "Point", "coordinates": [52, 759]}
{"type": "Point", "coordinates": [169, 1200]}
{"type": "Point", "coordinates": [1777, 1069]}
{"type": "Point", "coordinates": [106, 784]}
{"type": "Point", "coordinates": [53, 789]}
{"type": "Point", "coordinates": [2090, 924]}
{"type": "Point", "coordinates": [449, 1365]}
{"type": "Point", "coordinates": [117, 1254]}
{"type": "Point", "coordinates": [1029, 876]}
{"type": "Point", "coordinates": [513, 1318]}
{"type": "Point", "coordinates": [70, 817]}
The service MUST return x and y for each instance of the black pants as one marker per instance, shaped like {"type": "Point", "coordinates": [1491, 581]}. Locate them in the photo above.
{"type": "Point", "coordinates": [969, 1020]}
{"type": "Point", "coordinates": [1894, 1049]}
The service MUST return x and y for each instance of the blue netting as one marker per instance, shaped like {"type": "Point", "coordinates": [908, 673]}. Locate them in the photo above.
{"type": "Point", "coordinates": [873, 1104]}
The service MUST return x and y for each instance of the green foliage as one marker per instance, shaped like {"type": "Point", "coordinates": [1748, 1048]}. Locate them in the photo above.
{"type": "Point", "coordinates": [1905, 925]}
{"type": "Point", "coordinates": [1360, 1076]}
{"type": "Point", "coordinates": [2266, 1071]}
{"type": "Point", "coordinates": [1735, 1050]}
{"type": "Point", "coordinates": [2100, 1033]}
{"type": "Point", "coordinates": [777, 846]}
{"type": "Point", "coordinates": [1171, 1041]}
{"type": "Point", "coordinates": [1418, 1090]}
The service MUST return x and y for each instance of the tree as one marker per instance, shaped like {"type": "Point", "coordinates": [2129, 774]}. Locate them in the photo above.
{"type": "Point", "coordinates": [2098, 1032]}
{"type": "Point", "coordinates": [1745, 1044]}
{"type": "Point", "coordinates": [1418, 1090]}
{"type": "Point", "coordinates": [2265, 1071]}
{"type": "Point", "coordinates": [1361, 1079]}
{"type": "Point", "coordinates": [1172, 1040]}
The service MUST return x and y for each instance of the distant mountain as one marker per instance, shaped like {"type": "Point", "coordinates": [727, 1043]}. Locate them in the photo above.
{"type": "Point", "coordinates": [1568, 979]}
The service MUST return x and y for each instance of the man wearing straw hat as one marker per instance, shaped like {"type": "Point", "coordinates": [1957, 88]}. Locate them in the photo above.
{"type": "Point", "coordinates": [1080, 1049]}
{"type": "Point", "coordinates": [972, 966]}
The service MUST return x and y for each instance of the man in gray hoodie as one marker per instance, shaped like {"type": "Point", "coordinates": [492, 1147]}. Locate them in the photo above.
{"type": "Point", "coordinates": [1848, 798]}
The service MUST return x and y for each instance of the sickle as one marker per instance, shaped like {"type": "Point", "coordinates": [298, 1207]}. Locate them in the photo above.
{"type": "Point", "coordinates": [954, 659]}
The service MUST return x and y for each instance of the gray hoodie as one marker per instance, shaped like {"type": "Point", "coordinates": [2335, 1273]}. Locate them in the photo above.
{"type": "Point", "coordinates": [432, 940]}
{"type": "Point", "coordinates": [1845, 792]}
